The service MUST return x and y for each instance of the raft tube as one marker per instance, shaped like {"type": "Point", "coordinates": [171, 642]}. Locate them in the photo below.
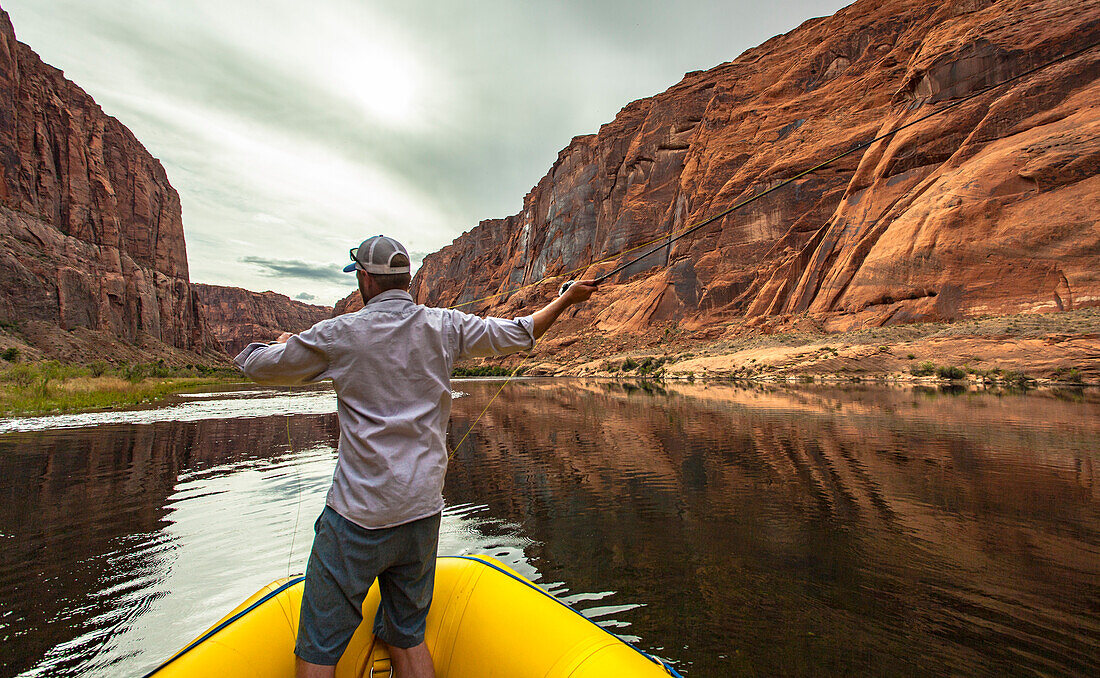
{"type": "Point", "coordinates": [485, 620]}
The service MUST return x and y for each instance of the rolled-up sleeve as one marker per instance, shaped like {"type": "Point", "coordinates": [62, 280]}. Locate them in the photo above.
{"type": "Point", "coordinates": [482, 337]}
{"type": "Point", "coordinates": [301, 360]}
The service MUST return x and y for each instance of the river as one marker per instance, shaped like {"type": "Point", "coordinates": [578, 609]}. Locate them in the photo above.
{"type": "Point", "coordinates": [730, 529]}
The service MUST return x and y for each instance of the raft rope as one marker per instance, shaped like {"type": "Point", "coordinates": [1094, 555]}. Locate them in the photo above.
{"type": "Point", "coordinates": [667, 240]}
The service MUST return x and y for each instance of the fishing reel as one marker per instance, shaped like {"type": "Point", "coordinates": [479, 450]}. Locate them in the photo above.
{"type": "Point", "coordinates": [569, 283]}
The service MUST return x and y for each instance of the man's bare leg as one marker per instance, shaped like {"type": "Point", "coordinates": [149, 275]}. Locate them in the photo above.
{"type": "Point", "coordinates": [414, 662]}
{"type": "Point", "coordinates": [307, 670]}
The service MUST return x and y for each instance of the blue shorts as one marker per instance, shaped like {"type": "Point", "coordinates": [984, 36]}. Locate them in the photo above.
{"type": "Point", "coordinates": [344, 562]}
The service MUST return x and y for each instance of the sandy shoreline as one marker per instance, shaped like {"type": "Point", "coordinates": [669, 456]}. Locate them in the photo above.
{"type": "Point", "coordinates": [1027, 349]}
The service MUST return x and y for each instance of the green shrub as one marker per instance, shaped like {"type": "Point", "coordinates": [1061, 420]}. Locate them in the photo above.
{"type": "Point", "coordinates": [52, 369]}
{"type": "Point", "coordinates": [912, 356]}
{"type": "Point", "coordinates": [159, 369]}
{"type": "Point", "coordinates": [924, 369]}
{"type": "Point", "coordinates": [41, 387]}
{"type": "Point", "coordinates": [98, 368]}
{"type": "Point", "coordinates": [11, 354]}
{"type": "Point", "coordinates": [651, 365]}
{"type": "Point", "coordinates": [134, 373]}
{"type": "Point", "coordinates": [629, 364]}
{"type": "Point", "coordinates": [1074, 376]}
{"type": "Point", "coordinates": [486, 371]}
{"type": "Point", "coordinates": [950, 372]}
{"type": "Point", "coordinates": [21, 375]}
{"type": "Point", "coordinates": [1016, 379]}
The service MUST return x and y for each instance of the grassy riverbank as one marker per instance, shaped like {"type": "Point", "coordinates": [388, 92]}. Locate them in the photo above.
{"type": "Point", "coordinates": [49, 386]}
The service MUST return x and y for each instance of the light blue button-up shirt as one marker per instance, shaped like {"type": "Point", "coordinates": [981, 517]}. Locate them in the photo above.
{"type": "Point", "coordinates": [390, 364]}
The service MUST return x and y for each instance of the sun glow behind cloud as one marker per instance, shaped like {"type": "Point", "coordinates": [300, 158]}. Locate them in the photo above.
{"type": "Point", "coordinates": [268, 190]}
{"type": "Point", "coordinates": [346, 49]}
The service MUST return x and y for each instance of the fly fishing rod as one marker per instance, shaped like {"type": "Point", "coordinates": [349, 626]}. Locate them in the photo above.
{"type": "Point", "coordinates": [710, 220]}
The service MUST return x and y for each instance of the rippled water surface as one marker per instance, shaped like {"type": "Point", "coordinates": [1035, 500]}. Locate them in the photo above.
{"type": "Point", "coordinates": [731, 530]}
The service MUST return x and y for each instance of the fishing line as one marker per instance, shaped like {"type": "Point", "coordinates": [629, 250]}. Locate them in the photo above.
{"type": "Point", "coordinates": [489, 404]}
{"type": "Point", "coordinates": [298, 490]}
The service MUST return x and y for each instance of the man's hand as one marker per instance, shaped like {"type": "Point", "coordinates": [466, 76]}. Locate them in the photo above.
{"type": "Point", "coordinates": [579, 291]}
{"type": "Point", "coordinates": [283, 337]}
{"type": "Point", "coordinates": [545, 316]}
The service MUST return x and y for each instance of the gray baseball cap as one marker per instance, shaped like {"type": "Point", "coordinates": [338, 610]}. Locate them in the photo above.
{"type": "Point", "coordinates": [380, 255]}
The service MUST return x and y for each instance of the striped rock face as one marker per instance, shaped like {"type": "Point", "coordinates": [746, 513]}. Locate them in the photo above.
{"type": "Point", "coordinates": [989, 208]}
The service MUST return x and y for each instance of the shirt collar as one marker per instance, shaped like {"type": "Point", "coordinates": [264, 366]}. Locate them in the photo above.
{"type": "Point", "coordinates": [390, 295]}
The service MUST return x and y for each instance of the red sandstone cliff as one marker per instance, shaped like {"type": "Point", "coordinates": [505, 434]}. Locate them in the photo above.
{"type": "Point", "coordinates": [91, 234]}
{"type": "Point", "coordinates": [990, 208]}
{"type": "Point", "coordinates": [236, 316]}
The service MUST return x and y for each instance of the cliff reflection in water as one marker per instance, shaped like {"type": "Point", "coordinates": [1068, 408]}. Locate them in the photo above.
{"type": "Point", "coordinates": [808, 531]}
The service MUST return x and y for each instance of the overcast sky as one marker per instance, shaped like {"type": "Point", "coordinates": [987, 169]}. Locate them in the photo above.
{"type": "Point", "coordinates": [292, 130]}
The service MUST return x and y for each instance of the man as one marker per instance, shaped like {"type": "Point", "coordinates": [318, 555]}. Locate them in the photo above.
{"type": "Point", "coordinates": [390, 365]}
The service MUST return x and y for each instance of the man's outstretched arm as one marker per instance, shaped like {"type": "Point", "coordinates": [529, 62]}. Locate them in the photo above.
{"type": "Point", "coordinates": [482, 337]}
{"type": "Point", "coordinates": [545, 316]}
{"type": "Point", "coordinates": [294, 359]}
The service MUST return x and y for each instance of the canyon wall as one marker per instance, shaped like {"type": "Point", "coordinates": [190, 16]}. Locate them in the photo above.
{"type": "Point", "coordinates": [235, 317]}
{"type": "Point", "coordinates": [91, 233]}
{"type": "Point", "coordinates": [989, 208]}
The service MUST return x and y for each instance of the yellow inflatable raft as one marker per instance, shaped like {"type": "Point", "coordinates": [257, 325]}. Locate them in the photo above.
{"type": "Point", "coordinates": [485, 620]}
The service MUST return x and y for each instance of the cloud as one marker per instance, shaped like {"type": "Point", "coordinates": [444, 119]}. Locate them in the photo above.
{"type": "Point", "coordinates": [298, 270]}
{"type": "Point", "coordinates": [305, 296]}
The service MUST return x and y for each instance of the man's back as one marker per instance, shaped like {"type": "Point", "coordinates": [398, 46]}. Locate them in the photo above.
{"type": "Point", "coordinates": [390, 364]}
